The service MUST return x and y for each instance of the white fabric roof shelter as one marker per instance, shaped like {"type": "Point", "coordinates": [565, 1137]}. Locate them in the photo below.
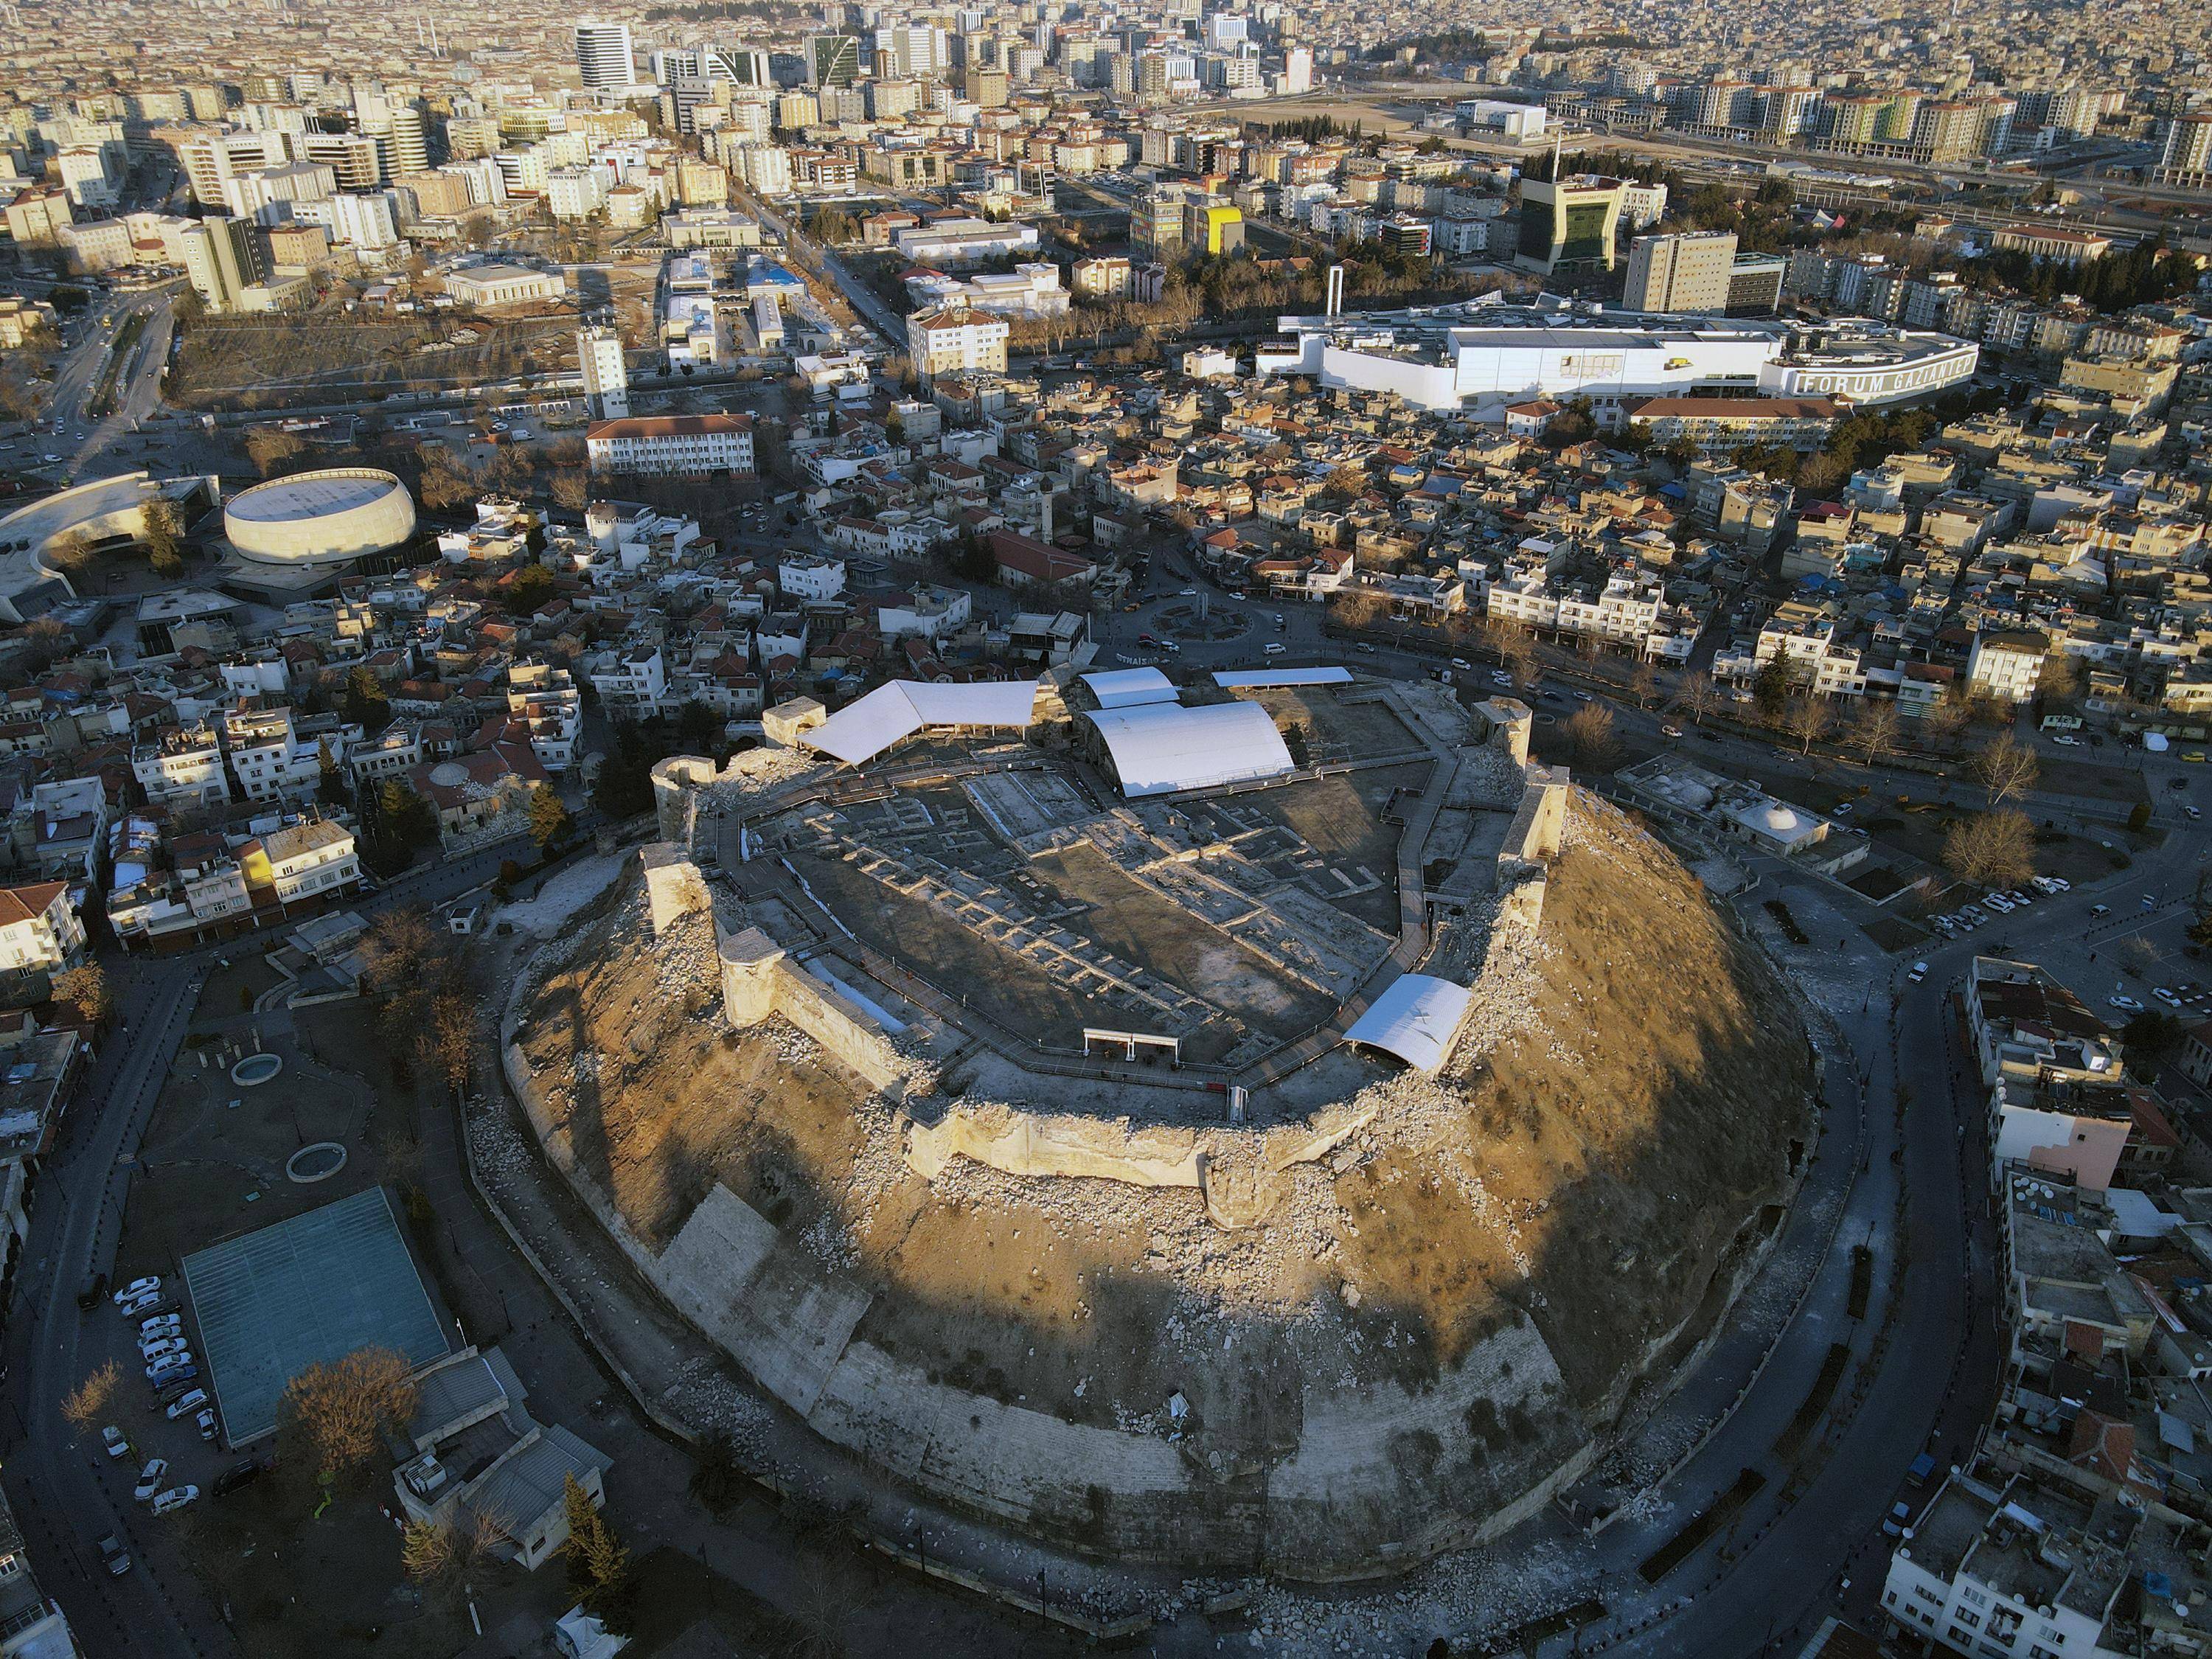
{"type": "Point", "coordinates": [1160, 747]}
{"type": "Point", "coordinates": [1125, 688]}
{"type": "Point", "coordinates": [1415, 1019]}
{"type": "Point", "coordinates": [865, 728]}
{"type": "Point", "coordinates": [1232, 679]}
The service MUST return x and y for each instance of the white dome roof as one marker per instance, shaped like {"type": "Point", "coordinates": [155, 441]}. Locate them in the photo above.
{"type": "Point", "coordinates": [1781, 818]}
{"type": "Point", "coordinates": [447, 774]}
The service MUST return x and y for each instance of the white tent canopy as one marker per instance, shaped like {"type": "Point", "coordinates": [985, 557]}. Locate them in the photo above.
{"type": "Point", "coordinates": [865, 728]}
{"type": "Point", "coordinates": [1237, 678]}
{"type": "Point", "coordinates": [1159, 747]}
{"type": "Point", "coordinates": [1416, 1018]}
{"type": "Point", "coordinates": [1126, 688]}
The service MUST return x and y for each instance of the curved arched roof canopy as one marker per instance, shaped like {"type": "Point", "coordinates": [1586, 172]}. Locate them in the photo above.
{"type": "Point", "coordinates": [1416, 1018]}
{"type": "Point", "coordinates": [864, 729]}
{"type": "Point", "coordinates": [1161, 747]}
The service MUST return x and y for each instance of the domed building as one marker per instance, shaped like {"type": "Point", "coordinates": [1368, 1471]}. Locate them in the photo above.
{"type": "Point", "coordinates": [297, 536]}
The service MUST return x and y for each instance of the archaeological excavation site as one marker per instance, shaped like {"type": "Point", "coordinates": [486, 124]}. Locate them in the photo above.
{"type": "Point", "coordinates": [1270, 1124]}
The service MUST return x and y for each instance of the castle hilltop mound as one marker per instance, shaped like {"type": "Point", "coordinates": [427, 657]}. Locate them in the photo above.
{"type": "Point", "coordinates": [1393, 1313]}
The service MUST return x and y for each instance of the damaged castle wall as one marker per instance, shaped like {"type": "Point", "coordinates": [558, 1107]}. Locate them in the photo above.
{"type": "Point", "coordinates": [1231, 1167]}
{"type": "Point", "coordinates": [760, 979]}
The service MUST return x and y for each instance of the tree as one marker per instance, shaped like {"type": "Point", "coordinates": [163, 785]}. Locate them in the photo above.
{"type": "Point", "coordinates": [330, 778]}
{"type": "Point", "coordinates": [345, 1406]}
{"type": "Point", "coordinates": [448, 1039]}
{"type": "Point", "coordinates": [426, 1550]}
{"type": "Point", "coordinates": [1516, 649]}
{"type": "Point", "coordinates": [83, 1405]}
{"type": "Point", "coordinates": [398, 950]}
{"type": "Point", "coordinates": [1589, 733]}
{"type": "Point", "coordinates": [162, 539]}
{"type": "Point", "coordinates": [1807, 718]}
{"type": "Point", "coordinates": [1874, 731]}
{"type": "Point", "coordinates": [2006, 768]}
{"type": "Point", "coordinates": [599, 1565]}
{"type": "Point", "coordinates": [2152, 1034]}
{"type": "Point", "coordinates": [84, 988]}
{"type": "Point", "coordinates": [1696, 693]}
{"type": "Point", "coordinates": [531, 586]}
{"type": "Point", "coordinates": [1643, 683]}
{"type": "Point", "coordinates": [1948, 715]}
{"type": "Point", "coordinates": [1991, 849]}
{"type": "Point", "coordinates": [1772, 686]}
{"type": "Point", "coordinates": [71, 553]}
{"type": "Point", "coordinates": [366, 703]}
{"type": "Point", "coordinates": [269, 449]}
{"type": "Point", "coordinates": [548, 818]}
{"type": "Point", "coordinates": [716, 1480]}
{"type": "Point", "coordinates": [572, 489]}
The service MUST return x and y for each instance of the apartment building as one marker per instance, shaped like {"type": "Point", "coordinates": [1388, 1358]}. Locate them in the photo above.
{"type": "Point", "coordinates": [672, 445]}
{"type": "Point", "coordinates": [38, 927]}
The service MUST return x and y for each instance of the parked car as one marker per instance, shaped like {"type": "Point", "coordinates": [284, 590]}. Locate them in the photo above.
{"type": "Point", "coordinates": [161, 1325]}
{"type": "Point", "coordinates": [2100, 910]}
{"type": "Point", "coordinates": [1843, 809]}
{"type": "Point", "coordinates": [137, 1288]}
{"type": "Point", "coordinates": [168, 1376]}
{"type": "Point", "coordinates": [175, 1498]}
{"type": "Point", "coordinates": [1670, 730]}
{"type": "Point", "coordinates": [1501, 677]}
{"type": "Point", "coordinates": [2167, 997]}
{"type": "Point", "coordinates": [1899, 1518]}
{"type": "Point", "coordinates": [1919, 972]}
{"type": "Point", "coordinates": [1998, 903]}
{"type": "Point", "coordinates": [160, 1347]}
{"type": "Point", "coordinates": [2066, 742]}
{"type": "Point", "coordinates": [1275, 647]}
{"type": "Point", "coordinates": [2150, 901]}
{"type": "Point", "coordinates": [113, 1556]}
{"type": "Point", "coordinates": [87, 1298]}
{"type": "Point", "coordinates": [111, 1437]}
{"type": "Point", "coordinates": [2125, 1004]}
{"type": "Point", "coordinates": [243, 1473]}
{"type": "Point", "coordinates": [150, 1478]}
{"type": "Point", "coordinates": [186, 1405]}
{"type": "Point", "coordinates": [169, 1393]}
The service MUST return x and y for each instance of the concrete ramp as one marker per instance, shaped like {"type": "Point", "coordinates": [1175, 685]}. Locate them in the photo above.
{"type": "Point", "coordinates": [785, 1317]}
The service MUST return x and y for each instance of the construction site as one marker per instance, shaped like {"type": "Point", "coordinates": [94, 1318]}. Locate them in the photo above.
{"type": "Point", "coordinates": [1265, 1125]}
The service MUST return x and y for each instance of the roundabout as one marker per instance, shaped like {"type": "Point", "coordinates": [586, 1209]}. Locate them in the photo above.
{"type": "Point", "coordinates": [1202, 622]}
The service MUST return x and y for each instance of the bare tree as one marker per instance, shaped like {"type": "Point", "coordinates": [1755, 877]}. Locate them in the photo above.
{"type": "Point", "coordinates": [345, 1405]}
{"type": "Point", "coordinates": [1589, 733]}
{"type": "Point", "coordinates": [1807, 718]}
{"type": "Point", "coordinates": [1643, 683]}
{"type": "Point", "coordinates": [426, 1551]}
{"type": "Point", "coordinates": [268, 448]}
{"type": "Point", "coordinates": [1874, 731]}
{"type": "Point", "coordinates": [449, 1038]}
{"type": "Point", "coordinates": [2006, 768]}
{"type": "Point", "coordinates": [1991, 849]}
{"type": "Point", "coordinates": [83, 1404]}
{"type": "Point", "coordinates": [1948, 715]}
{"type": "Point", "coordinates": [1696, 693]}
